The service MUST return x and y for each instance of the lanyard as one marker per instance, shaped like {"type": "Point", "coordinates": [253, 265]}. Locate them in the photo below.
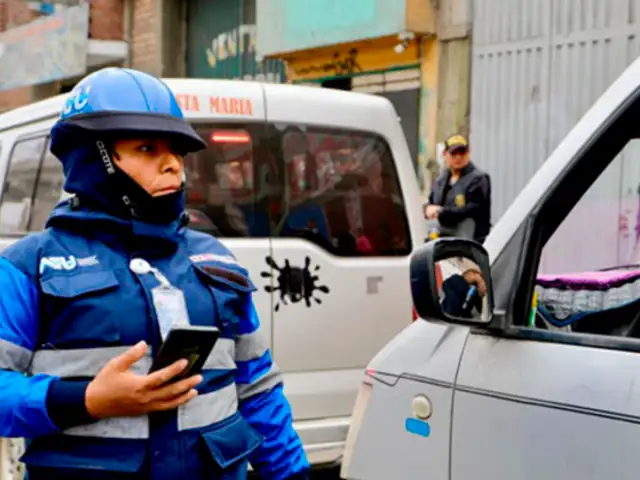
{"type": "Point", "coordinates": [168, 301]}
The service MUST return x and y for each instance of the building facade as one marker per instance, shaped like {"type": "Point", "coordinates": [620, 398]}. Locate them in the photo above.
{"type": "Point", "coordinates": [374, 46]}
{"type": "Point", "coordinates": [221, 42]}
{"type": "Point", "coordinates": [535, 74]}
{"type": "Point", "coordinates": [45, 47]}
{"type": "Point", "coordinates": [413, 52]}
{"type": "Point", "coordinates": [171, 38]}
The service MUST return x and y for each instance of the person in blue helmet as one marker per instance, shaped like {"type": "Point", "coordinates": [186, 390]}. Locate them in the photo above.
{"type": "Point", "coordinates": [84, 305]}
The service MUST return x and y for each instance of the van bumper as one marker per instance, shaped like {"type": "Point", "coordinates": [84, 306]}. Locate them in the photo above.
{"type": "Point", "coordinates": [323, 439]}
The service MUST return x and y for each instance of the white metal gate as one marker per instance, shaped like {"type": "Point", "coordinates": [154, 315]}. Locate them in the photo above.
{"type": "Point", "coordinates": [537, 66]}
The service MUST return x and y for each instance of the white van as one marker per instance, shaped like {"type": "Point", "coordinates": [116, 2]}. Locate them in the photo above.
{"type": "Point", "coordinates": [544, 381]}
{"type": "Point", "coordinates": [315, 192]}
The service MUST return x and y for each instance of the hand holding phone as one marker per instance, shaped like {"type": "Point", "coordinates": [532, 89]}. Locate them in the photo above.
{"type": "Point", "coordinates": [117, 391]}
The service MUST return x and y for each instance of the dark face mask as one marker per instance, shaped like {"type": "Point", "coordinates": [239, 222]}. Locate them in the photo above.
{"type": "Point", "coordinates": [143, 206]}
{"type": "Point", "coordinates": [131, 200]}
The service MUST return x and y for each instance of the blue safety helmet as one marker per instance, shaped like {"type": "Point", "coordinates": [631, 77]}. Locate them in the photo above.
{"type": "Point", "coordinates": [120, 101]}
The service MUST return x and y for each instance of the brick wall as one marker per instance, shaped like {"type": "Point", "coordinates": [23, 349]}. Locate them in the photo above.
{"type": "Point", "coordinates": [3, 16]}
{"type": "Point", "coordinates": [17, 12]}
{"type": "Point", "coordinates": [106, 20]}
{"type": "Point", "coordinates": [145, 45]}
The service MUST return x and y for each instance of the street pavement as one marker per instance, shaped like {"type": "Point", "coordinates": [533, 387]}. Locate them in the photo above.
{"type": "Point", "coordinates": [329, 474]}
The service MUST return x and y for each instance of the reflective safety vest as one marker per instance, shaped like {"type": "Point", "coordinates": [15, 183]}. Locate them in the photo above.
{"type": "Point", "coordinates": [90, 307]}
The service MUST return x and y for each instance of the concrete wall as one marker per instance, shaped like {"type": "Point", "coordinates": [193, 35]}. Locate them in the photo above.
{"type": "Point", "coordinates": [14, 13]}
{"type": "Point", "coordinates": [446, 76]}
{"type": "Point", "coordinates": [290, 25]}
{"type": "Point", "coordinates": [428, 114]}
{"type": "Point", "coordinates": [173, 37]}
{"type": "Point", "coordinates": [454, 30]}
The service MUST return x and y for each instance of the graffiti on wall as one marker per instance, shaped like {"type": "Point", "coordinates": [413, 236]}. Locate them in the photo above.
{"type": "Point", "coordinates": [235, 51]}
{"type": "Point", "coordinates": [339, 64]}
{"type": "Point", "coordinates": [355, 59]}
{"type": "Point", "coordinates": [241, 40]}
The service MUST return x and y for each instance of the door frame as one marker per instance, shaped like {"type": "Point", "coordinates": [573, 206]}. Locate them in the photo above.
{"type": "Point", "coordinates": [516, 279]}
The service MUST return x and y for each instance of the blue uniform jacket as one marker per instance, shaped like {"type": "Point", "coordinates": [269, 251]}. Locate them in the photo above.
{"type": "Point", "coordinates": [69, 302]}
{"type": "Point", "coordinates": [454, 292]}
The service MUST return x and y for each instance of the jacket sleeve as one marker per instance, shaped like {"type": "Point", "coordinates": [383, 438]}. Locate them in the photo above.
{"type": "Point", "coordinates": [23, 409]}
{"type": "Point", "coordinates": [263, 404]}
{"type": "Point", "coordinates": [477, 193]}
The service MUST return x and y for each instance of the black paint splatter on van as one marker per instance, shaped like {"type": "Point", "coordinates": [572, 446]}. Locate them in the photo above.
{"type": "Point", "coordinates": [294, 283]}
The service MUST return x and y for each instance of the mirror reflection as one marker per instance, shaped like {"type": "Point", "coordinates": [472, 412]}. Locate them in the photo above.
{"type": "Point", "coordinates": [462, 289]}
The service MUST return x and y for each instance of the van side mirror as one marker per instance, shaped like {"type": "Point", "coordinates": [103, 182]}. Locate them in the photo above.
{"type": "Point", "coordinates": [451, 282]}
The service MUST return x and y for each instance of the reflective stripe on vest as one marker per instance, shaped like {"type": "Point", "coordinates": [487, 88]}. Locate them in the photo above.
{"type": "Point", "coordinates": [222, 355]}
{"type": "Point", "coordinates": [82, 362]}
{"type": "Point", "coordinates": [115, 427]}
{"type": "Point", "coordinates": [202, 411]}
{"type": "Point", "coordinates": [14, 357]}
{"type": "Point", "coordinates": [205, 409]}
{"type": "Point", "coordinates": [250, 346]}
{"type": "Point", "coordinates": [268, 381]}
{"type": "Point", "coordinates": [87, 362]}
{"type": "Point", "coordinates": [208, 408]}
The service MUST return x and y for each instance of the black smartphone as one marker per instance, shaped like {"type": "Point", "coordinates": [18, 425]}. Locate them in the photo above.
{"type": "Point", "coordinates": [189, 342]}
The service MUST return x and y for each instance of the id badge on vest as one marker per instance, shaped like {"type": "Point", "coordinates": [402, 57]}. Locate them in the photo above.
{"type": "Point", "coordinates": [171, 308]}
{"type": "Point", "coordinates": [168, 301]}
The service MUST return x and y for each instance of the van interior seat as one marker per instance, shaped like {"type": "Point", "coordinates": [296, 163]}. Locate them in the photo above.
{"type": "Point", "coordinates": [600, 302]}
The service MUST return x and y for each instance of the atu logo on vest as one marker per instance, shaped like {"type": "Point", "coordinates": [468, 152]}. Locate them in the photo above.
{"type": "Point", "coordinates": [66, 263]}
